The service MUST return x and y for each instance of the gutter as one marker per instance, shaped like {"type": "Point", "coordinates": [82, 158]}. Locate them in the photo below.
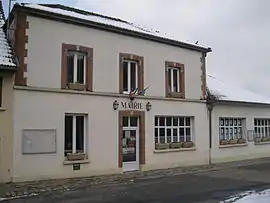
{"type": "Point", "coordinates": [110, 28]}
{"type": "Point", "coordinates": [242, 103]}
{"type": "Point", "coordinates": [210, 106]}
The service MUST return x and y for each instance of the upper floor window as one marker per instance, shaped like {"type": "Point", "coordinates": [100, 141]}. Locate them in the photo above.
{"type": "Point", "coordinates": [262, 128]}
{"type": "Point", "coordinates": [175, 79]}
{"type": "Point", "coordinates": [1, 91]}
{"type": "Point", "coordinates": [77, 67]}
{"type": "Point", "coordinates": [131, 73]}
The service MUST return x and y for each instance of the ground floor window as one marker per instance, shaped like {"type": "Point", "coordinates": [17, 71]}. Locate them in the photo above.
{"type": "Point", "coordinates": [231, 130]}
{"type": "Point", "coordinates": [262, 128]}
{"type": "Point", "coordinates": [173, 129]}
{"type": "Point", "coordinates": [75, 134]}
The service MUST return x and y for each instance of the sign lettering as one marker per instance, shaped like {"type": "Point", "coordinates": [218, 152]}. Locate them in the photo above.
{"type": "Point", "coordinates": [131, 105]}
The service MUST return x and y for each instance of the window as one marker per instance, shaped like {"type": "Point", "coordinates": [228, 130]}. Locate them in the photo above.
{"type": "Point", "coordinates": [77, 65]}
{"type": "Point", "coordinates": [75, 134]}
{"type": "Point", "coordinates": [131, 73]}
{"type": "Point", "coordinates": [262, 128]}
{"type": "Point", "coordinates": [170, 129]}
{"type": "Point", "coordinates": [175, 80]}
{"type": "Point", "coordinates": [1, 91]}
{"type": "Point", "coordinates": [230, 128]}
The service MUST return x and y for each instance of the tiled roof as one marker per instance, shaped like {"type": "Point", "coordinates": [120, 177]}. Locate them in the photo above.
{"type": "Point", "coordinates": [227, 91]}
{"type": "Point", "coordinates": [109, 22]}
{"type": "Point", "coordinates": [7, 59]}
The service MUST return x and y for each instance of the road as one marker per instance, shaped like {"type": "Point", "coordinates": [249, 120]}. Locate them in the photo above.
{"type": "Point", "coordinates": [201, 187]}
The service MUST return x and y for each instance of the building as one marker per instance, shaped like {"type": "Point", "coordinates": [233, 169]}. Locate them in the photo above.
{"type": "Point", "coordinates": [240, 123]}
{"type": "Point", "coordinates": [75, 114]}
{"type": "Point", "coordinates": [7, 69]}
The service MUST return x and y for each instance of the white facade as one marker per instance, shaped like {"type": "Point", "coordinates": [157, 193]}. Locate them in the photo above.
{"type": "Point", "coordinates": [43, 105]}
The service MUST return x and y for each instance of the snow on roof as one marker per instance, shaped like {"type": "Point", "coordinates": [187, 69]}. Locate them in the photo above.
{"type": "Point", "coordinates": [105, 20]}
{"type": "Point", "coordinates": [6, 54]}
{"type": "Point", "coordinates": [226, 91]}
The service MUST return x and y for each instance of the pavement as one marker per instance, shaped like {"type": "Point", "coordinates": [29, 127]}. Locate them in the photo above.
{"type": "Point", "coordinates": [202, 184]}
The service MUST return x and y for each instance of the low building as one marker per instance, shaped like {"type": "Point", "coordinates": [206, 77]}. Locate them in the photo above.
{"type": "Point", "coordinates": [240, 123]}
{"type": "Point", "coordinates": [7, 69]}
{"type": "Point", "coordinates": [99, 95]}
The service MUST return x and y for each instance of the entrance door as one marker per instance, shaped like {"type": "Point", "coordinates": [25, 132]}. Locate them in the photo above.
{"type": "Point", "coordinates": [130, 144]}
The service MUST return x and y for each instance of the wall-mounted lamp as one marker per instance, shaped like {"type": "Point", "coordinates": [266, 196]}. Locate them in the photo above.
{"type": "Point", "coordinates": [148, 106]}
{"type": "Point", "coordinates": [115, 104]}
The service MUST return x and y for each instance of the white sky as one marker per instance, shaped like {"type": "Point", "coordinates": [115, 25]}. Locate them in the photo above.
{"type": "Point", "coordinates": [236, 30]}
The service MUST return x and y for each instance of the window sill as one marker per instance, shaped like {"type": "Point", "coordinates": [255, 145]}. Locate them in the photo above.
{"type": "Point", "coordinates": [233, 145]}
{"type": "Point", "coordinates": [157, 151]}
{"type": "Point", "coordinates": [77, 86]}
{"type": "Point", "coordinates": [85, 161]}
{"type": "Point", "coordinates": [176, 95]}
{"type": "Point", "coordinates": [2, 109]}
{"type": "Point", "coordinates": [261, 143]}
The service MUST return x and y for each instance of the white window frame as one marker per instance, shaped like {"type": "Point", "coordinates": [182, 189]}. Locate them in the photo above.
{"type": "Point", "coordinates": [172, 127]}
{"type": "Point", "coordinates": [229, 126]}
{"type": "Point", "coordinates": [75, 67]}
{"type": "Point", "coordinates": [172, 80]}
{"type": "Point", "coordinates": [264, 123]}
{"type": "Point", "coordinates": [74, 132]}
{"type": "Point", "coordinates": [129, 75]}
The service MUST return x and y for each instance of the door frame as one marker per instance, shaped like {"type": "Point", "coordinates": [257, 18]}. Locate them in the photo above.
{"type": "Point", "coordinates": [141, 117]}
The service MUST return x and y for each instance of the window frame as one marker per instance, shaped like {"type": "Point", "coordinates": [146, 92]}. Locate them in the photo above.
{"type": "Point", "coordinates": [88, 74]}
{"type": "Point", "coordinates": [233, 126]}
{"type": "Point", "coordinates": [181, 79]}
{"type": "Point", "coordinates": [139, 60]}
{"type": "Point", "coordinates": [1, 91]}
{"type": "Point", "coordinates": [85, 130]}
{"type": "Point", "coordinates": [261, 135]}
{"type": "Point", "coordinates": [172, 127]}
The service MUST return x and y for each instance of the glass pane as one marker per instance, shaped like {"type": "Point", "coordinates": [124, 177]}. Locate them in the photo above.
{"type": "Point", "coordinates": [156, 121]}
{"type": "Point", "coordinates": [125, 121]}
{"type": "Point", "coordinates": [187, 121]}
{"type": "Point", "coordinates": [255, 122]}
{"type": "Point", "coordinates": [175, 135]}
{"type": "Point", "coordinates": [175, 81]}
{"type": "Point", "coordinates": [133, 76]}
{"type": "Point", "coordinates": [235, 122]}
{"type": "Point", "coordinates": [175, 121]}
{"type": "Point", "coordinates": [231, 122]}
{"type": "Point", "coordinates": [161, 121]}
{"type": "Point", "coordinates": [239, 122]}
{"type": "Point", "coordinates": [68, 134]}
{"type": "Point", "coordinates": [226, 122]}
{"type": "Point", "coordinates": [169, 121]}
{"type": "Point", "coordinates": [129, 145]}
{"type": "Point", "coordinates": [79, 134]}
{"type": "Point", "coordinates": [169, 133]}
{"type": "Point", "coordinates": [70, 65]}
{"type": "Point", "coordinates": [182, 134]}
{"type": "Point", "coordinates": [162, 135]}
{"type": "Point", "coordinates": [80, 68]}
{"type": "Point", "coordinates": [125, 76]}
{"type": "Point", "coordinates": [181, 121]}
{"type": "Point", "coordinates": [133, 121]}
{"type": "Point", "coordinates": [221, 133]}
{"type": "Point", "coordinates": [156, 135]}
{"type": "Point", "coordinates": [169, 80]}
{"type": "Point", "coordinates": [221, 122]}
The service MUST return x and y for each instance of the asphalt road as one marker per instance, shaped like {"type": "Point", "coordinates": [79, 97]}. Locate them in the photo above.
{"type": "Point", "coordinates": [206, 187]}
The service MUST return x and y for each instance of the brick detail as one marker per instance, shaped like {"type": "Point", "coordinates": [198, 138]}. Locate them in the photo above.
{"type": "Point", "coordinates": [20, 47]}
{"type": "Point", "coordinates": [203, 76]}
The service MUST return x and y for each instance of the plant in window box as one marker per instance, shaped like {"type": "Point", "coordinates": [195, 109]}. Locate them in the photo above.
{"type": "Point", "coordinates": [76, 86]}
{"type": "Point", "coordinates": [233, 141]}
{"type": "Point", "coordinates": [162, 146]}
{"type": "Point", "coordinates": [265, 139]}
{"type": "Point", "coordinates": [76, 156]}
{"type": "Point", "coordinates": [257, 139]}
{"type": "Point", "coordinates": [176, 145]}
{"type": "Point", "coordinates": [224, 142]}
{"type": "Point", "coordinates": [188, 144]}
{"type": "Point", "coordinates": [241, 141]}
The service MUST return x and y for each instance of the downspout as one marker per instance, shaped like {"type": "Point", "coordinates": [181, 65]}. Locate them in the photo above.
{"type": "Point", "coordinates": [210, 106]}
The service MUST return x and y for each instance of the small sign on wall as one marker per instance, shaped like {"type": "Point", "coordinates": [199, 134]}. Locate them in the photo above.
{"type": "Point", "coordinates": [76, 167]}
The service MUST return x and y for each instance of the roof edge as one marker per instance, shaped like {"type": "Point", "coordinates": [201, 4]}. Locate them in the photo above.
{"type": "Point", "coordinates": [243, 103]}
{"type": "Point", "coordinates": [87, 23]}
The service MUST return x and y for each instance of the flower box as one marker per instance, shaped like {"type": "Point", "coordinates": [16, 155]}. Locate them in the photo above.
{"type": "Point", "coordinates": [224, 142]}
{"type": "Point", "coordinates": [176, 145]}
{"type": "Point", "coordinates": [76, 86]}
{"type": "Point", "coordinates": [233, 141]}
{"type": "Point", "coordinates": [162, 146]}
{"type": "Point", "coordinates": [241, 141]}
{"type": "Point", "coordinates": [188, 144]}
{"type": "Point", "coordinates": [265, 139]}
{"type": "Point", "coordinates": [75, 157]}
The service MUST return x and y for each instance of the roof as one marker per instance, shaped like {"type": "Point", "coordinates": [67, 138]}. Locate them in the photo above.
{"type": "Point", "coordinates": [227, 91]}
{"type": "Point", "coordinates": [7, 58]}
{"type": "Point", "coordinates": [86, 18]}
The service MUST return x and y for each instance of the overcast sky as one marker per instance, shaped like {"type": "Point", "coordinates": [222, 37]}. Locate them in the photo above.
{"type": "Point", "coordinates": [238, 31]}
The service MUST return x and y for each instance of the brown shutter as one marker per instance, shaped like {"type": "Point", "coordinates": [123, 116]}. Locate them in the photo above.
{"type": "Point", "coordinates": [64, 71]}
{"type": "Point", "coordinates": [89, 70]}
{"type": "Point", "coordinates": [121, 74]}
{"type": "Point", "coordinates": [141, 73]}
{"type": "Point", "coordinates": [166, 80]}
{"type": "Point", "coordinates": [142, 138]}
{"type": "Point", "coordinates": [120, 138]}
{"type": "Point", "coordinates": [182, 81]}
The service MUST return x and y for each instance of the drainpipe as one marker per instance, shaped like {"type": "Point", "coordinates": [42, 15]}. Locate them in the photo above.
{"type": "Point", "coordinates": [210, 106]}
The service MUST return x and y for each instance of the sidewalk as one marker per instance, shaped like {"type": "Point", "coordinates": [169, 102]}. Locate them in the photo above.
{"type": "Point", "coordinates": [48, 186]}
